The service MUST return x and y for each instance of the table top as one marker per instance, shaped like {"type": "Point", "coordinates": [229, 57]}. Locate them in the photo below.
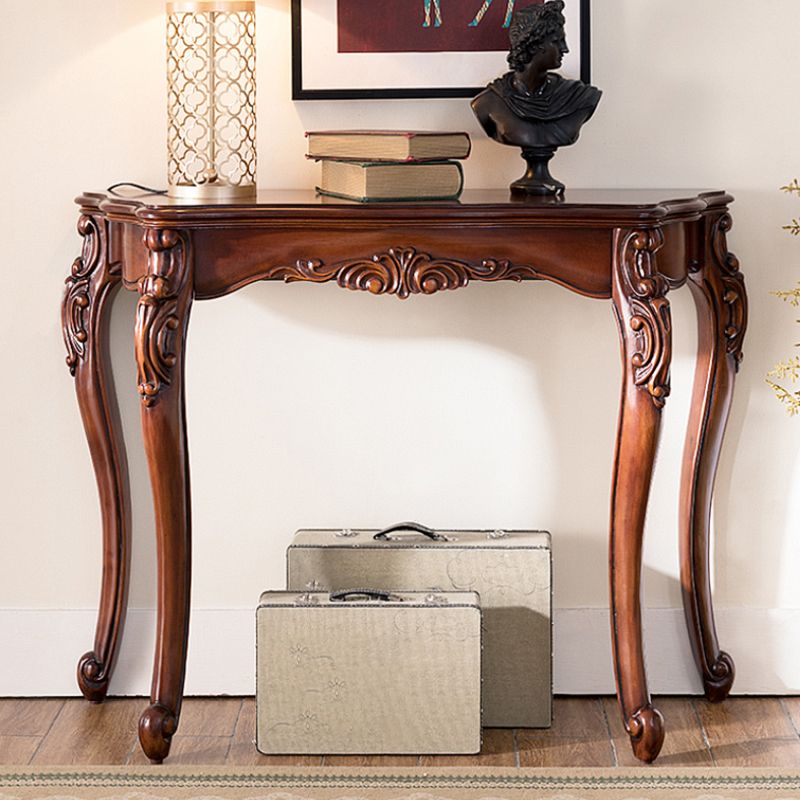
{"type": "Point", "coordinates": [610, 206]}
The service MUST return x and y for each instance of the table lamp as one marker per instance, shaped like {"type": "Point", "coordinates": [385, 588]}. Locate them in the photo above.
{"type": "Point", "coordinates": [211, 98]}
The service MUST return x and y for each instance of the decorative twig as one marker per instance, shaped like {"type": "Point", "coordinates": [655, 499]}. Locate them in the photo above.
{"type": "Point", "coordinates": [790, 399]}
{"type": "Point", "coordinates": [792, 296]}
{"type": "Point", "coordinates": [792, 188]}
{"type": "Point", "coordinates": [788, 370]}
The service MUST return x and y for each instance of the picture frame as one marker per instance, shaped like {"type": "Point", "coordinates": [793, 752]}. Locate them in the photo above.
{"type": "Point", "coordinates": [410, 67]}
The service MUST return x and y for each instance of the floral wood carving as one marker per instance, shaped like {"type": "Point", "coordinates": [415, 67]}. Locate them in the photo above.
{"type": "Point", "coordinates": [90, 277]}
{"type": "Point", "coordinates": [402, 271]}
{"type": "Point", "coordinates": [76, 306]}
{"type": "Point", "coordinates": [160, 310]}
{"type": "Point", "coordinates": [733, 294]}
{"type": "Point", "coordinates": [650, 317]}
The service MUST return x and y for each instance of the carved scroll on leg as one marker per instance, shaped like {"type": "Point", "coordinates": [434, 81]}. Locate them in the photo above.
{"type": "Point", "coordinates": [718, 288]}
{"type": "Point", "coordinates": [90, 287]}
{"type": "Point", "coordinates": [161, 324]}
{"type": "Point", "coordinates": [643, 317]}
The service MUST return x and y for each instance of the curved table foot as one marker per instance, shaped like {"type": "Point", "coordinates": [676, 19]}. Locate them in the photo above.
{"type": "Point", "coordinates": [646, 729]}
{"type": "Point", "coordinates": [643, 317]}
{"type": "Point", "coordinates": [92, 677]}
{"type": "Point", "coordinates": [156, 727]}
{"type": "Point", "coordinates": [721, 301]}
{"type": "Point", "coordinates": [719, 679]}
{"type": "Point", "coordinates": [91, 286]}
{"type": "Point", "coordinates": [162, 317]}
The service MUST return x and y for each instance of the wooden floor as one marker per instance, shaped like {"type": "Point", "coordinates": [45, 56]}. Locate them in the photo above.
{"type": "Point", "coordinates": [586, 732]}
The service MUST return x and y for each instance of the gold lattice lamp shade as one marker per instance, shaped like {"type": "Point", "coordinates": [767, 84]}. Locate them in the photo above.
{"type": "Point", "coordinates": [211, 90]}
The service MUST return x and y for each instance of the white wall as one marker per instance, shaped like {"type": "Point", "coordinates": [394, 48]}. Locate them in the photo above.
{"type": "Point", "coordinates": [311, 406]}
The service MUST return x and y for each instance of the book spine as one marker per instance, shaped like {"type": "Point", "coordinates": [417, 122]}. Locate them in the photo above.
{"type": "Point", "coordinates": [370, 165]}
{"type": "Point", "coordinates": [373, 160]}
{"type": "Point", "coordinates": [371, 200]}
{"type": "Point", "coordinates": [415, 198]}
{"type": "Point", "coordinates": [406, 160]}
{"type": "Point", "coordinates": [327, 193]}
{"type": "Point", "coordinates": [409, 159]}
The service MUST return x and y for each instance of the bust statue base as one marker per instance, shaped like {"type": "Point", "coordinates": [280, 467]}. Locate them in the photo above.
{"type": "Point", "coordinates": [537, 179]}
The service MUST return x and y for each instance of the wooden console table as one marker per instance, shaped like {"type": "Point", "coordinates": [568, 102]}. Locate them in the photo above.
{"type": "Point", "coordinates": [628, 246]}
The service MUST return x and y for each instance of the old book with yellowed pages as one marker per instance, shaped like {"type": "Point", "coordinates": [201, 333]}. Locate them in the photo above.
{"type": "Point", "coordinates": [376, 181]}
{"type": "Point", "coordinates": [363, 145]}
{"type": "Point", "coordinates": [368, 671]}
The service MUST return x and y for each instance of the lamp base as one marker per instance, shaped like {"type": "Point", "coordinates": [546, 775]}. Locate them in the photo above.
{"type": "Point", "coordinates": [211, 191]}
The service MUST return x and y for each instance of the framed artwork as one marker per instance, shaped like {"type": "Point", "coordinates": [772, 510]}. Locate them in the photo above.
{"type": "Point", "coordinates": [351, 49]}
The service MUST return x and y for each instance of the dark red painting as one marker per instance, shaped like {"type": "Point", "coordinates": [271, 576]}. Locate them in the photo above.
{"type": "Point", "coordinates": [424, 26]}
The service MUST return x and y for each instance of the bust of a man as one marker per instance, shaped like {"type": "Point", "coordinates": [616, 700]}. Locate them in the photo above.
{"type": "Point", "coordinates": [530, 106]}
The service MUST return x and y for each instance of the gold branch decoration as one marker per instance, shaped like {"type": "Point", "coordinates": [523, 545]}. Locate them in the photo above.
{"type": "Point", "coordinates": [792, 297]}
{"type": "Point", "coordinates": [788, 372]}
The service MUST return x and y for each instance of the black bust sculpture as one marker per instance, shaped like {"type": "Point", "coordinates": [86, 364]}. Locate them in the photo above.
{"type": "Point", "coordinates": [531, 107]}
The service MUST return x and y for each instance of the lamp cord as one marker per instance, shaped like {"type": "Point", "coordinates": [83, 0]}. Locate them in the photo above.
{"type": "Point", "coordinates": [148, 189]}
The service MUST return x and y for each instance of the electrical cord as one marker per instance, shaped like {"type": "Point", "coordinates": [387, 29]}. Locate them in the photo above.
{"type": "Point", "coordinates": [147, 189]}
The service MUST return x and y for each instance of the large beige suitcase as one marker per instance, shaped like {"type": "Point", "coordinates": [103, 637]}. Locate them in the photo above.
{"type": "Point", "coordinates": [368, 672]}
{"type": "Point", "coordinates": [510, 570]}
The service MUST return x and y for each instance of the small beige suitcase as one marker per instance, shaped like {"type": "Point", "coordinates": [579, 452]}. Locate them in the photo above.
{"type": "Point", "coordinates": [510, 570]}
{"type": "Point", "coordinates": [365, 671]}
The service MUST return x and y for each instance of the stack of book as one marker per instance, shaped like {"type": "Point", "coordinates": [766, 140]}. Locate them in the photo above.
{"type": "Point", "coordinates": [389, 165]}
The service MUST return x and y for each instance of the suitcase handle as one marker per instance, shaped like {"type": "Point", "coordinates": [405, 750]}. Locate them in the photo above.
{"type": "Point", "coordinates": [370, 594]}
{"type": "Point", "coordinates": [410, 526]}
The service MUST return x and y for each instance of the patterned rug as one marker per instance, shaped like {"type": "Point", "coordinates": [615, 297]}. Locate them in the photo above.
{"type": "Point", "coordinates": [266, 783]}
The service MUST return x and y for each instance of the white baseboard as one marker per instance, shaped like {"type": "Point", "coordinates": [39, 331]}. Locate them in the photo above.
{"type": "Point", "coordinates": [42, 648]}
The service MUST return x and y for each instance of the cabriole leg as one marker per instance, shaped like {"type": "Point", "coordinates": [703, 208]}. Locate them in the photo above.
{"type": "Point", "coordinates": [162, 316]}
{"type": "Point", "coordinates": [85, 311]}
{"type": "Point", "coordinates": [721, 300]}
{"type": "Point", "coordinates": [643, 317]}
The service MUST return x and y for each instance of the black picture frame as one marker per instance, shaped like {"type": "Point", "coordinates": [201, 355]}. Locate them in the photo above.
{"type": "Point", "coordinates": [299, 92]}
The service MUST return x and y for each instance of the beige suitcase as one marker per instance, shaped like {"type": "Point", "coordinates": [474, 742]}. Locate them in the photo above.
{"type": "Point", "coordinates": [368, 672]}
{"type": "Point", "coordinates": [510, 570]}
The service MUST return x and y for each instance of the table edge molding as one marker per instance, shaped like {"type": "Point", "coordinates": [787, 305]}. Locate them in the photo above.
{"type": "Point", "coordinates": [386, 215]}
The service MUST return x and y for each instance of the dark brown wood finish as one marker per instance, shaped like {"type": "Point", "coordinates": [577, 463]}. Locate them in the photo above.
{"type": "Point", "coordinates": [162, 317]}
{"type": "Point", "coordinates": [629, 246]}
{"type": "Point", "coordinates": [718, 289]}
{"type": "Point", "coordinates": [643, 317]}
{"type": "Point", "coordinates": [90, 288]}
